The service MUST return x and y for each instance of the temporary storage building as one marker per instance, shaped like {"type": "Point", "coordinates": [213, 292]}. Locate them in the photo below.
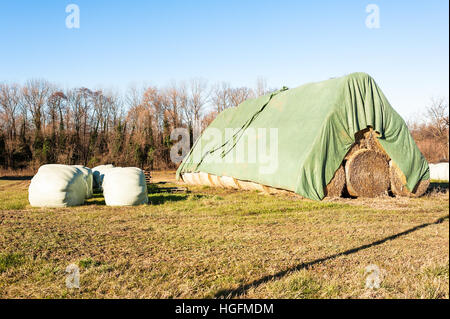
{"type": "Point", "coordinates": [57, 185]}
{"type": "Point", "coordinates": [124, 186]}
{"type": "Point", "coordinates": [98, 173]}
{"type": "Point", "coordinates": [88, 178]}
{"type": "Point", "coordinates": [297, 140]}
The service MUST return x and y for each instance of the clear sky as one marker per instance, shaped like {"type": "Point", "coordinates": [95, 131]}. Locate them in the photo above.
{"type": "Point", "coordinates": [290, 43]}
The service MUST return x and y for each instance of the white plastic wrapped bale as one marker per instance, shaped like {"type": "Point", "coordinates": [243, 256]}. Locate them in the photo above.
{"type": "Point", "coordinates": [88, 178]}
{"type": "Point", "coordinates": [124, 186]}
{"type": "Point", "coordinates": [57, 185]}
{"type": "Point", "coordinates": [98, 173]}
{"type": "Point", "coordinates": [439, 171]}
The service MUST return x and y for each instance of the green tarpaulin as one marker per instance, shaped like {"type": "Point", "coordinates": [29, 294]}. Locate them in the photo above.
{"type": "Point", "coordinates": [308, 131]}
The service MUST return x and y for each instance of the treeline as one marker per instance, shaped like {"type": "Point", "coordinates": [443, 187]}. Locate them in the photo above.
{"type": "Point", "coordinates": [431, 132]}
{"type": "Point", "coordinates": [41, 123]}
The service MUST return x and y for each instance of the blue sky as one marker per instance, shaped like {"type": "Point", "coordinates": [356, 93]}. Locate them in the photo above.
{"type": "Point", "coordinates": [290, 43]}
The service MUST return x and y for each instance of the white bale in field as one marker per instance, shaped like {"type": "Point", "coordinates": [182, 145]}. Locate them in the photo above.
{"type": "Point", "coordinates": [124, 186]}
{"type": "Point", "coordinates": [57, 185]}
{"type": "Point", "coordinates": [88, 178]}
{"type": "Point", "coordinates": [98, 173]}
{"type": "Point", "coordinates": [439, 171]}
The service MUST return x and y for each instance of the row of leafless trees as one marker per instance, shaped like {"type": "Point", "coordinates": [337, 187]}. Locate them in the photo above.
{"type": "Point", "coordinates": [41, 123]}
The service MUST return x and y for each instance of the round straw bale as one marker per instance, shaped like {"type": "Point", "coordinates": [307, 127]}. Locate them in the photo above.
{"type": "Point", "coordinates": [258, 187]}
{"type": "Point", "coordinates": [216, 180]}
{"type": "Point", "coordinates": [355, 147]}
{"type": "Point", "coordinates": [205, 179]}
{"type": "Point", "coordinates": [371, 142]}
{"type": "Point", "coordinates": [236, 181]}
{"type": "Point", "coordinates": [367, 174]}
{"type": "Point", "coordinates": [229, 182]}
{"type": "Point", "coordinates": [266, 189]}
{"type": "Point", "coordinates": [245, 185]}
{"type": "Point", "coordinates": [336, 186]}
{"type": "Point", "coordinates": [366, 139]}
{"type": "Point", "coordinates": [398, 183]}
{"type": "Point", "coordinates": [188, 178]}
{"type": "Point", "coordinates": [251, 186]}
{"type": "Point", "coordinates": [273, 190]}
{"type": "Point", "coordinates": [196, 179]}
{"type": "Point", "coordinates": [358, 144]}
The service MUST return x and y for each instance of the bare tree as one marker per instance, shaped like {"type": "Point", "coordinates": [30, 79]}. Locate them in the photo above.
{"type": "Point", "coordinates": [431, 131]}
{"type": "Point", "coordinates": [153, 101]}
{"type": "Point", "coordinates": [221, 96]}
{"type": "Point", "coordinates": [56, 108]}
{"type": "Point", "coordinates": [183, 101]}
{"type": "Point", "coordinates": [239, 95]}
{"type": "Point", "coordinates": [175, 98]}
{"type": "Point", "coordinates": [437, 113]}
{"type": "Point", "coordinates": [41, 123]}
{"type": "Point", "coordinates": [35, 94]}
{"type": "Point", "coordinates": [10, 100]}
{"type": "Point", "coordinates": [198, 96]}
{"type": "Point", "coordinates": [134, 97]}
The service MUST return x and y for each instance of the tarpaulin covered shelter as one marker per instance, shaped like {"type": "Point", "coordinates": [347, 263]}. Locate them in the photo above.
{"type": "Point", "coordinates": [315, 126]}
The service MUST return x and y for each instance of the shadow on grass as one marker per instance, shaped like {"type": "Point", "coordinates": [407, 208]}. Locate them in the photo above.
{"type": "Point", "coordinates": [95, 202]}
{"type": "Point", "coordinates": [96, 199]}
{"type": "Point", "coordinates": [232, 293]}
{"type": "Point", "coordinates": [439, 187]}
{"type": "Point", "coordinates": [156, 188]}
{"type": "Point", "coordinates": [163, 198]}
{"type": "Point", "coordinates": [15, 178]}
{"type": "Point", "coordinates": [156, 195]}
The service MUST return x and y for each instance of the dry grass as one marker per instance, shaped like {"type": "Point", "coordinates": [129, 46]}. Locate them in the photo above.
{"type": "Point", "coordinates": [25, 172]}
{"type": "Point", "coordinates": [212, 242]}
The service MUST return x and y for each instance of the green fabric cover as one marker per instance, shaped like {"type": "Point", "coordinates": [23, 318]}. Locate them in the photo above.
{"type": "Point", "coordinates": [316, 126]}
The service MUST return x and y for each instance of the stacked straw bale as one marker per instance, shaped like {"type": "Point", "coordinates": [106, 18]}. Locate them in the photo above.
{"type": "Point", "coordinates": [370, 175]}
{"type": "Point", "coordinates": [366, 171]}
{"type": "Point", "coordinates": [367, 174]}
{"type": "Point", "coordinates": [398, 182]}
{"type": "Point", "coordinates": [333, 189]}
{"type": "Point", "coordinates": [336, 186]}
{"type": "Point", "coordinates": [367, 166]}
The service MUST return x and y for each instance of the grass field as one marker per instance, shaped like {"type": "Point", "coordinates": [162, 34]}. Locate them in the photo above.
{"type": "Point", "coordinates": [219, 243]}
